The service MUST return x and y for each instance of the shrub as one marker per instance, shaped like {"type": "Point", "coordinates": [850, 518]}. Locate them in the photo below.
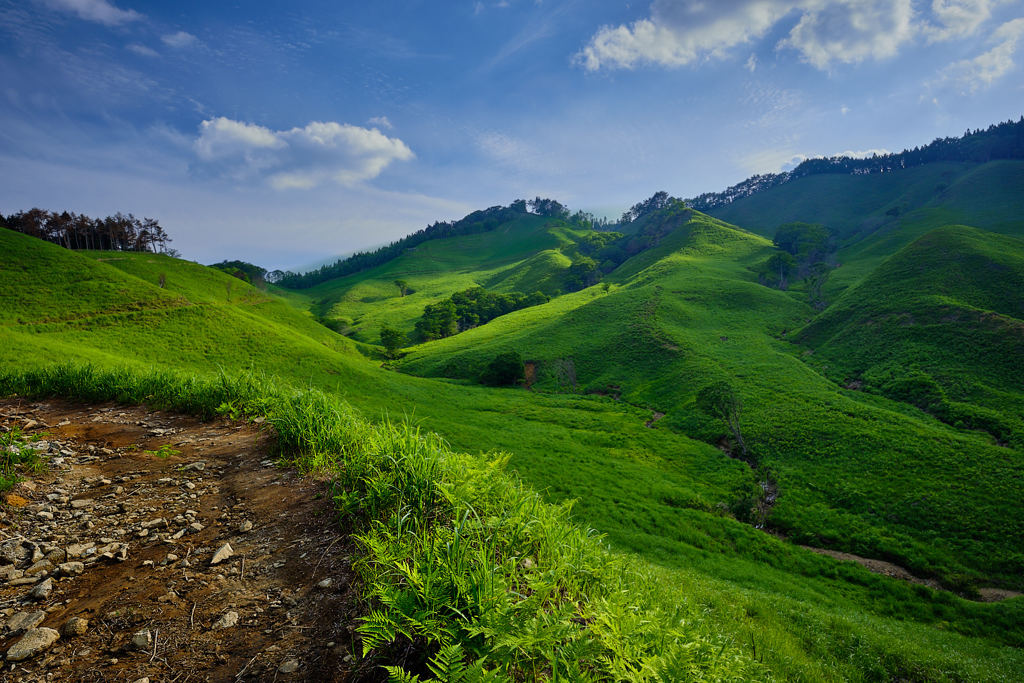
{"type": "Point", "coordinates": [506, 369]}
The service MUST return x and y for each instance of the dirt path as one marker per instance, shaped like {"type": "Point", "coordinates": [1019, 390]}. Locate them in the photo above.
{"type": "Point", "coordinates": [127, 540]}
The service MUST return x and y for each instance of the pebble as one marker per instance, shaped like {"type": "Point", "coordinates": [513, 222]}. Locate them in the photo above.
{"type": "Point", "coordinates": [42, 591]}
{"type": "Point", "coordinates": [326, 583]}
{"type": "Point", "coordinates": [227, 621]}
{"type": "Point", "coordinates": [142, 640]}
{"type": "Point", "coordinates": [245, 526]}
{"type": "Point", "coordinates": [32, 643]}
{"type": "Point", "coordinates": [75, 626]}
{"type": "Point", "coordinates": [71, 568]}
{"type": "Point", "coordinates": [222, 554]}
{"type": "Point", "coordinates": [289, 666]}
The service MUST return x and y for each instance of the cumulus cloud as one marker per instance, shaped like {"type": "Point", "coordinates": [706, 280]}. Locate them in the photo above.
{"type": "Point", "coordinates": [181, 39]}
{"type": "Point", "coordinates": [822, 33]}
{"type": "Point", "coordinates": [318, 153]}
{"type": "Point", "coordinates": [957, 18]}
{"type": "Point", "coordinates": [99, 11]}
{"type": "Point", "coordinates": [971, 75]}
{"type": "Point", "coordinates": [851, 31]}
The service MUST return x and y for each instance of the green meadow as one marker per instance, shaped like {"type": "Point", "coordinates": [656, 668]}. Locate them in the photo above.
{"type": "Point", "coordinates": [887, 424]}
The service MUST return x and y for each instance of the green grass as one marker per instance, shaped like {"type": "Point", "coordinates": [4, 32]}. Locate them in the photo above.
{"type": "Point", "coordinates": [525, 255]}
{"type": "Point", "coordinates": [460, 559]}
{"type": "Point", "coordinates": [655, 337]}
{"type": "Point", "coordinates": [856, 473]}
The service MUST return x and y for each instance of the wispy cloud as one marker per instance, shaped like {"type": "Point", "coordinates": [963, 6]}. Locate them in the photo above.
{"type": "Point", "coordinates": [978, 73]}
{"type": "Point", "coordinates": [299, 158]}
{"type": "Point", "coordinates": [380, 121]}
{"type": "Point", "coordinates": [99, 11]}
{"type": "Point", "coordinates": [142, 50]}
{"type": "Point", "coordinates": [181, 39]}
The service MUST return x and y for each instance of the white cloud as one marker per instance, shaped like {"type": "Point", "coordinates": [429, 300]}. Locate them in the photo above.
{"type": "Point", "coordinates": [181, 39]}
{"type": "Point", "coordinates": [971, 75]}
{"type": "Point", "coordinates": [99, 11]}
{"type": "Point", "coordinates": [752, 63]}
{"type": "Point", "coordinates": [957, 18]}
{"type": "Point", "coordinates": [381, 121]}
{"type": "Point", "coordinates": [851, 31]}
{"type": "Point", "coordinates": [142, 50]}
{"type": "Point", "coordinates": [303, 158]}
{"type": "Point", "coordinates": [844, 110]}
{"type": "Point", "coordinates": [862, 153]}
{"type": "Point", "coordinates": [825, 32]}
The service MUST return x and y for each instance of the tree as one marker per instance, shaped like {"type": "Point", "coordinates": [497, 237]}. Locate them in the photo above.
{"type": "Point", "coordinates": [779, 265]}
{"type": "Point", "coordinates": [721, 400]}
{"type": "Point", "coordinates": [403, 287]}
{"type": "Point", "coordinates": [506, 369]}
{"type": "Point", "coordinates": [392, 340]}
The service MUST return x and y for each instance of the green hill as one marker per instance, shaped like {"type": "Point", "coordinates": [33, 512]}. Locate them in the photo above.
{"type": "Point", "coordinates": [855, 471]}
{"type": "Point", "coordinates": [527, 254]}
{"type": "Point", "coordinates": [939, 324]}
{"type": "Point", "coordinates": [689, 312]}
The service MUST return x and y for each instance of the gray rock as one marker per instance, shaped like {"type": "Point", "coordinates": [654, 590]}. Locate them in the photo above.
{"type": "Point", "coordinates": [32, 643]}
{"type": "Point", "coordinates": [23, 621]}
{"type": "Point", "coordinates": [42, 590]}
{"type": "Point", "coordinates": [71, 568]}
{"type": "Point", "coordinates": [326, 583]}
{"type": "Point", "coordinates": [195, 527]}
{"type": "Point", "coordinates": [43, 567]}
{"type": "Point", "coordinates": [82, 503]}
{"type": "Point", "coordinates": [75, 626]}
{"type": "Point", "coordinates": [245, 526]}
{"type": "Point", "coordinates": [142, 640]}
{"type": "Point", "coordinates": [222, 554]}
{"type": "Point", "coordinates": [290, 666]}
{"type": "Point", "coordinates": [227, 621]}
{"type": "Point", "coordinates": [8, 572]}
{"type": "Point", "coordinates": [14, 552]}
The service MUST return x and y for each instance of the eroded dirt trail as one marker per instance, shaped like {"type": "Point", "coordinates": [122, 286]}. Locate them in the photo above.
{"type": "Point", "coordinates": [127, 540]}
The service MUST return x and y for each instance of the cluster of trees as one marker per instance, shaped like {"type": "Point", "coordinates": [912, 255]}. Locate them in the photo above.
{"type": "Point", "coordinates": [469, 308]}
{"type": "Point", "coordinates": [998, 141]}
{"type": "Point", "coordinates": [247, 272]}
{"type": "Point", "coordinates": [78, 231]}
{"type": "Point", "coordinates": [804, 251]}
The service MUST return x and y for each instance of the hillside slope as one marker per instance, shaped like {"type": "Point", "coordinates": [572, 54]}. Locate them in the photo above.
{"type": "Point", "coordinates": [530, 253]}
{"type": "Point", "coordinates": [941, 319]}
{"type": "Point", "coordinates": [856, 472]}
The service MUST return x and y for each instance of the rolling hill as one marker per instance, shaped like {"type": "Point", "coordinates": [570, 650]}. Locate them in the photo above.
{"type": "Point", "coordinates": [610, 420]}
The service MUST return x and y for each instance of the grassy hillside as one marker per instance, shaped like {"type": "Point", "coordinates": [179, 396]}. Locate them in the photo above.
{"type": "Point", "coordinates": [983, 195]}
{"type": "Point", "coordinates": [854, 472]}
{"type": "Point", "coordinates": [940, 324]}
{"type": "Point", "coordinates": [528, 254]}
{"type": "Point", "coordinates": [875, 215]}
{"type": "Point", "coordinates": [656, 491]}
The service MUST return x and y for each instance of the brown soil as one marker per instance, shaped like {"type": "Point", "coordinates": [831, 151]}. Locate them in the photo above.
{"type": "Point", "coordinates": [166, 583]}
{"type": "Point", "coordinates": [655, 416]}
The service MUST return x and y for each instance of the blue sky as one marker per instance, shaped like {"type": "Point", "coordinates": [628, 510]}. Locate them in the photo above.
{"type": "Point", "coordinates": [285, 133]}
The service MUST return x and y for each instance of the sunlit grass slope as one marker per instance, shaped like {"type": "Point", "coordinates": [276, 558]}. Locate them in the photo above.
{"type": "Point", "coordinates": [855, 472]}
{"type": "Point", "coordinates": [945, 314]}
{"type": "Point", "coordinates": [655, 491]}
{"type": "Point", "coordinates": [875, 215]}
{"type": "Point", "coordinates": [529, 254]}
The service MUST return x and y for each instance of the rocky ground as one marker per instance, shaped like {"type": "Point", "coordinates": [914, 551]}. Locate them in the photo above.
{"type": "Point", "coordinates": [154, 546]}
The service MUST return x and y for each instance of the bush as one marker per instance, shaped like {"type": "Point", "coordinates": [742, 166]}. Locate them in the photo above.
{"type": "Point", "coordinates": [506, 369]}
